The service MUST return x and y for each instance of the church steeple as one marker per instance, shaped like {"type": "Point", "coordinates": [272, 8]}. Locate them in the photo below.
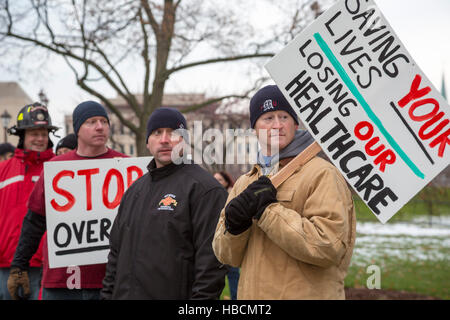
{"type": "Point", "coordinates": [443, 91]}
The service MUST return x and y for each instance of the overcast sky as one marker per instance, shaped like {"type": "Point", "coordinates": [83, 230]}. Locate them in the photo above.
{"type": "Point", "coordinates": [422, 25]}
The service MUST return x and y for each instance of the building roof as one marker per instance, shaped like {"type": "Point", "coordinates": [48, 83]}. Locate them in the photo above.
{"type": "Point", "coordinates": [12, 94]}
{"type": "Point", "coordinates": [12, 99]}
{"type": "Point", "coordinates": [174, 100]}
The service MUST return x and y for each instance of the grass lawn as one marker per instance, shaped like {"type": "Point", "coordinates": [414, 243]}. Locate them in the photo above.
{"type": "Point", "coordinates": [424, 277]}
{"type": "Point", "coordinates": [226, 291]}
{"type": "Point", "coordinates": [411, 255]}
{"type": "Point", "coordinates": [430, 199]}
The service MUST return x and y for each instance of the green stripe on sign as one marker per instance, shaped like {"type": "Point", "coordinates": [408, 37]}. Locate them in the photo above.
{"type": "Point", "coordinates": [351, 86]}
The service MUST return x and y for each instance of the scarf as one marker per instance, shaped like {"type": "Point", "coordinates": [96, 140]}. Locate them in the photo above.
{"type": "Point", "coordinates": [269, 164]}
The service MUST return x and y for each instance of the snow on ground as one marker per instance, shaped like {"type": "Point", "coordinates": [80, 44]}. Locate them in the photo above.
{"type": "Point", "coordinates": [416, 228]}
{"type": "Point", "coordinates": [412, 241]}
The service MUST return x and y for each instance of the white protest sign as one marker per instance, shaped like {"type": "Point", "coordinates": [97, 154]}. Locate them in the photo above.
{"type": "Point", "coordinates": [366, 102]}
{"type": "Point", "coordinates": [82, 199]}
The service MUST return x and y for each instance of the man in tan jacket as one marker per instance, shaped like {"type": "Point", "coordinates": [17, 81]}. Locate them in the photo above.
{"type": "Point", "coordinates": [294, 242]}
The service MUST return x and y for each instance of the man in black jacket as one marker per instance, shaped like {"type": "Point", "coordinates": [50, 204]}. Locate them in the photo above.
{"type": "Point", "coordinates": [161, 238]}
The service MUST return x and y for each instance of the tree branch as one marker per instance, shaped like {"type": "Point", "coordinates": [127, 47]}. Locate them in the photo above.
{"type": "Point", "coordinates": [244, 95]}
{"type": "Point", "coordinates": [211, 101]}
{"type": "Point", "coordinates": [112, 107]}
{"type": "Point", "coordinates": [217, 60]}
{"type": "Point", "coordinates": [151, 19]}
{"type": "Point", "coordinates": [145, 57]}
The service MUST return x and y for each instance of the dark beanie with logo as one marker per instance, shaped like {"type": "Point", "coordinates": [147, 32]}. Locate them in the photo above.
{"type": "Point", "coordinates": [165, 118]}
{"type": "Point", "coordinates": [267, 99]}
{"type": "Point", "coordinates": [86, 110]}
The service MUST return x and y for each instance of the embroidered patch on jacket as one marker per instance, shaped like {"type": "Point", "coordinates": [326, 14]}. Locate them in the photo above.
{"type": "Point", "coordinates": [168, 202]}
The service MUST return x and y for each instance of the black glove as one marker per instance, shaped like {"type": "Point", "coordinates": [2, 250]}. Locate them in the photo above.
{"type": "Point", "coordinates": [249, 204]}
{"type": "Point", "coordinates": [18, 279]}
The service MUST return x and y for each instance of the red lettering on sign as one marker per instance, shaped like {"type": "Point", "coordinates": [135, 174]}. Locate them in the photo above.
{"type": "Point", "coordinates": [386, 157]}
{"type": "Point", "coordinates": [432, 117]}
{"type": "Point", "coordinates": [88, 173]}
{"type": "Point", "coordinates": [130, 171]}
{"type": "Point", "coordinates": [70, 198]}
{"type": "Point", "coordinates": [120, 188]}
{"type": "Point", "coordinates": [424, 117]}
{"type": "Point", "coordinates": [370, 144]}
{"type": "Point", "coordinates": [361, 125]}
{"type": "Point", "coordinates": [364, 131]}
{"type": "Point", "coordinates": [443, 141]}
{"type": "Point", "coordinates": [429, 123]}
{"type": "Point", "coordinates": [413, 92]}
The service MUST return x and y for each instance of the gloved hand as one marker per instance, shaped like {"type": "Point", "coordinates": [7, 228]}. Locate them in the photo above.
{"type": "Point", "coordinates": [249, 204]}
{"type": "Point", "coordinates": [18, 279]}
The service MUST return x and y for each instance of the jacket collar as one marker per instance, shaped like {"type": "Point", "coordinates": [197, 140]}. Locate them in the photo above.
{"type": "Point", "coordinates": [160, 173]}
{"type": "Point", "coordinates": [33, 156]}
{"type": "Point", "coordinates": [257, 168]}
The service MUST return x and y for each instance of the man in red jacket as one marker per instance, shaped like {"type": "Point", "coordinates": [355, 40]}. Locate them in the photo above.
{"type": "Point", "coordinates": [91, 126]}
{"type": "Point", "coordinates": [17, 178]}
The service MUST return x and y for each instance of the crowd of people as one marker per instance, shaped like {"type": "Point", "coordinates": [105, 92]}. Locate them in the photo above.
{"type": "Point", "coordinates": [290, 242]}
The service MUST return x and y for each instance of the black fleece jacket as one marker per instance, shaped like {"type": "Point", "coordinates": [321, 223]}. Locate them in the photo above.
{"type": "Point", "coordinates": [161, 240]}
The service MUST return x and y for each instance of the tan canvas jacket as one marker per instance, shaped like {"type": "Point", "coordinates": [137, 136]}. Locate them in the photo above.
{"type": "Point", "coordinates": [302, 245]}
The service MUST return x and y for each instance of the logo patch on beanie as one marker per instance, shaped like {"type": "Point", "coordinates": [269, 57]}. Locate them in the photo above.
{"type": "Point", "coordinates": [268, 104]}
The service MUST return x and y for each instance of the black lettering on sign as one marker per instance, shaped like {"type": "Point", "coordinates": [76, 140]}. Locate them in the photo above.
{"type": "Point", "coordinates": [78, 231]}
{"type": "Point", "coordinates": [341, 145]}
{"type": "Point", "coordinates": [105, 224]}
{"type": "Point", "coordinates": [81, 234]}
{"type": "Point", "coordinates": [328, 23]}
{"type": "Point", "coordinates": [299, 84]}
{"type": "Point", "coordinates": [68, 235]}
{"type": "Point", "coordinates": [314, 106]}
{"type": "Point", "coordinates": [361, 173]}
{"type": "Point", "coordinates": [317, 119]}
{"type": "Point", "coordinates": [90, 232]}
{"type": "Point", "coordinates": [345, 159]}
{"type": "Point", "coordinates": [374, 183]}
{"type": "Point", "coordinates": [380, 197]}
{"type": "Point", "coordinates": [338, 127]}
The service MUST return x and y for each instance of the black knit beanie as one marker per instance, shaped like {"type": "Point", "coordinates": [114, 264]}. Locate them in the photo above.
{"type": "Point", "coordinates": [269, 99]}
{"type": "Point", "coordinates": [165, 118]}
{"type": "Point", "coordinates": [5, 148]}
{"type": "Point", "coordinates": [86, 110]}
{"type": "Point", "coordinates": [69, 141]}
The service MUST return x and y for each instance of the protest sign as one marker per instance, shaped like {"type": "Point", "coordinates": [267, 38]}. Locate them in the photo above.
{"type": "Point", "coordinates": [82, 199]}
{"type": "Point", "coordinates": [366, 102]}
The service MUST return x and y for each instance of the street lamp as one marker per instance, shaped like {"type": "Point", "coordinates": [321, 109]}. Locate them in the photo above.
{"type": "Point", "coordinates": [6, 117]}
{"type": "Point", "coordinates": [43, 98]}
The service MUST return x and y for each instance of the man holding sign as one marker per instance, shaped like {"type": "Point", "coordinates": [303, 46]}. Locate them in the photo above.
{"type": "Point", "coordinates": [91, 126]}
{"type": "Point", "coordinates": [294, 242]}
{"type": "Point", "coordinates": [367, 104]}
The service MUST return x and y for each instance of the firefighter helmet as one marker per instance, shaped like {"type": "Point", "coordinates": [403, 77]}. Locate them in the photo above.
{"type": "Point", "coordinates": [32, 116]}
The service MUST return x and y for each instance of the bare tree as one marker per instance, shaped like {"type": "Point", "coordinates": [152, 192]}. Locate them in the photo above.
{"type": "Point", "coordinates": [96, 38]}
